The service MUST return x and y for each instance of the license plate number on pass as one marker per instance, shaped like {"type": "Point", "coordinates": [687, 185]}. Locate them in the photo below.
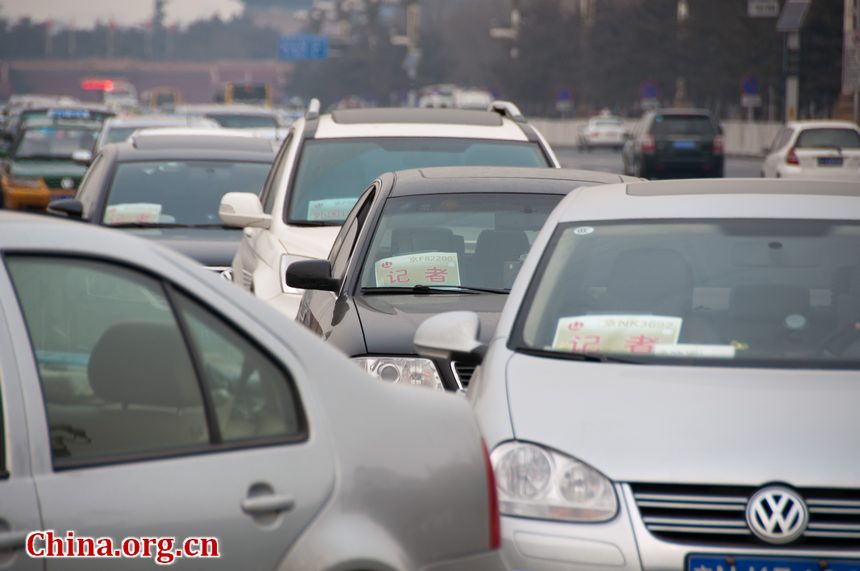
{"type": "Point", "coordinates": [712, 563]}
{"type": "Point", "coordinates": [830, 161]}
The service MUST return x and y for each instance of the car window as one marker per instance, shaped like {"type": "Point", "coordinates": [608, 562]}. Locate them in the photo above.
{"type": "Point", "coordinates": [828, 138]}
{"type": "Point", "coordinates": [669, 125]}
{"type": "Point", "coordinates": [777, 293]}
{"type": "Point", "coordinates": [54, 142]}
{"type": "Point", "coordinates": [347, 245]}
{"type": "Point", "coordinates": [332, 173]}
{"type": "Point", "coordinates": [185, 193]}
{"type": "Point", "coordinates": [244, 121]}
{"type": "Point", "coordinates": [116, 377]}
{"type": "Point", "coordinates": [471, 240]}
{"type": "Point", "coordinates": [252, 397]}
{"type": "Point", "coordinates": [276, 172]}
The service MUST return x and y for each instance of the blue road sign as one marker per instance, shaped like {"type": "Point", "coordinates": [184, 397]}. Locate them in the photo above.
{"type": "Point", "coordinates": [564, 94]}
{"type": "Point", "coordinates": [307, 46]}
{"type": "Point", "coordinates": [648, 90]}
{"type": "Point", "coordinates": [750, 85]}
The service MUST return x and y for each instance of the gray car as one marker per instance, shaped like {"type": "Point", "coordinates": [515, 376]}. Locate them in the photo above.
{"type": "Point", "coordinates": [673, 382]}
{"type": "Point", "coordinates": [144, 396]}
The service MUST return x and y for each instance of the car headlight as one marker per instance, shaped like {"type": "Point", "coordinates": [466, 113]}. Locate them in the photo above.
{"type": "Point", "coordinates": [534, 481]}
{"type": "Point", "coordinates": [24, 182]}
{"type": "Point", "coordinates": [402, 370]}
{"type": "Point", "coordinates": [286, 260]}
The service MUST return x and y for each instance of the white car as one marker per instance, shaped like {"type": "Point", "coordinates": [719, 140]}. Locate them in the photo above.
{"type": "Point", "coordinates": [814, 149]}
{"type": "Point", "coordinates": [603, 131]}
{"type": "Point", "coordinates": [673, 382]}
{"type": "Point", "coordinates": [326, 162]}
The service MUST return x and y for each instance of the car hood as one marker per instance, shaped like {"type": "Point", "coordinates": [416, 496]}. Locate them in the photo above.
{"type": "Point", "coordinates": [705, 425]}
{"type": "Point", "coordinates": [208, 246]}
{"type": "Point", "coordinates": [389, 321]}
{"type": "Point", "coordinates": [308, 241]}
{"type": "Point", "coordinates": [55, 168]}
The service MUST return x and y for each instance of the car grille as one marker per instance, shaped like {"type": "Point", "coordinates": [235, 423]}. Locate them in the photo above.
{"type": "Point", "coordinates": [464, 372]}
{"type": "Point", "coordinates": [716, 515]}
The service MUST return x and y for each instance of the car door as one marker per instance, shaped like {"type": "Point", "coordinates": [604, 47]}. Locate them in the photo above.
{"type": "Point", "coordinates": [154, 416]}
{"type": "Point", "coordinates": [19, 508]}
{"type": "Point", "coordinates": [257, 243]}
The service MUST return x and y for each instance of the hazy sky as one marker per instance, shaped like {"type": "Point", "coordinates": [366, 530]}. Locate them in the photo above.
{"type": "Point", "coordinates": [84, 13]}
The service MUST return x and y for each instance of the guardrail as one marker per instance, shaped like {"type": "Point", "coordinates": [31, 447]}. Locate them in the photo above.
{"type": "Point", "coordinates": [740, 138]}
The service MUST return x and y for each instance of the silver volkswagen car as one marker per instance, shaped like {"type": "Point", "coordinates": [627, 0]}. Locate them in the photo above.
{"type": "Point", "coordinates": [141, 395]}
{"type": "Point", "coordinates": [674, 383]}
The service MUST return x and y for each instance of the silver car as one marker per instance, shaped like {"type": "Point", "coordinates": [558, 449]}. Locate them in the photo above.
{"type": "Point", "coordinates": [674, 380]}
{"type": "Point", "coordinates": [143, 396]}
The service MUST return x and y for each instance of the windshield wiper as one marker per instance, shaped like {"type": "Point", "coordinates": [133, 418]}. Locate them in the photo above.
{"type": "Point", "coordinates": [314, 223]}
{"type": "Point", "coordinates": [148, 225]}
{"type": "Point", "coordinates": [574, 356]}
{"type": "Point", "coordinates": [428, 289]}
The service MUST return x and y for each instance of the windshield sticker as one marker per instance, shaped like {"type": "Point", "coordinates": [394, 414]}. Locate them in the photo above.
{"type": "Point", "coordinates": [142, 212]}
{"type": "Point", "coordinates": [615, 333]}
{"type": "Point", "coordinates": [428, 268]}
{"type": "Point", "coordinates": [583, 230]}
{"type": "Point", "coordinates": [330, 209]}
{"type": "Point", "coordinates": [693, 350]}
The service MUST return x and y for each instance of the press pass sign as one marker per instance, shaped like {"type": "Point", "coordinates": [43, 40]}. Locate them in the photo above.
{"type": "Point", "coordinates": [429, 268]}
{"type": "Point", "coordinates": [615, 333]}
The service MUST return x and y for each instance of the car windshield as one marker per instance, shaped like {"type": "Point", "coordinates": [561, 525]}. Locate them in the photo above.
{"type": "Point", "coordinates": [669, 125]}
{"type": "Point", "coordinates": [776, 293]}
{"type": "Point", "coordinates": [185, 193]}
{"type": "Point", "coordinates": [333, 173]}
{"type": "Point", "coordinates": [244, 121]}
{"type": "Point", "coordinates": [828, 138]}
{"type": "Point", "coordinates": [55, 142]}
{"type": "Point", "coordinates": [454, 240]}
{"type": "Point", "coordinates": [606, 123]}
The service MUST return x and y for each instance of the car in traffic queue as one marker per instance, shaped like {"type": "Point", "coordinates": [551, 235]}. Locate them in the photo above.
{"type": "Point", "coordinates": [326, 162]}
{"type": "Point", "coordinates": [602, 131]}
{"type": "Point", "coordinates": [165, 184]}
{"type": "Point", "coordinates": [47, 161]}
{"type": "Point", "coordinates": [673, 381]}
{"type": "Point", "coordinates": [668, 143]}
{"type": "Point", "coordinates": [143, 396]}
{"type": "Point", "coordinates": [814, 149]}
{"type": "Point", "coordinates": [260, 120]}
{"type": "Point", "coordinates": [421, 242]}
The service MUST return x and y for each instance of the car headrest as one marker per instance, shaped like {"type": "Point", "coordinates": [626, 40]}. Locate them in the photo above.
{"type": "Point", "coordinates": [407, 240]}
{"type": "Point", "coordinates": [508, 245]}
{"type": "Point", "coordinates": [648, 274]}
{"type": "Point", "coordinates": [846, 280]}
{"type": "Point", "coordinates": [143, 363]}
{"type": "Point", "coordinates": [762, 301]}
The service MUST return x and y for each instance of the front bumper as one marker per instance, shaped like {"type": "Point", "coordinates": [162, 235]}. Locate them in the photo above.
{"type": "Point", "coordinates": [16, 198]}
{"type": "Point", "coordinates": [620, 544]}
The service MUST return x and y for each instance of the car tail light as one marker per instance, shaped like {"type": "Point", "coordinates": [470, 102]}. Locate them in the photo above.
{"type": "Point", "coordinates": [648, 144]}
{"type": "Point", "coordinates": [493, 498]}
{"type": "Point", "coordinates": [791, 158]}
{"type": "Point", "coordinates": [718, 145]}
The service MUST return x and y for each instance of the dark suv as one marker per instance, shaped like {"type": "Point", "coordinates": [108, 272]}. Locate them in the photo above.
{"type": "Point", "coordinates": [673, 142]}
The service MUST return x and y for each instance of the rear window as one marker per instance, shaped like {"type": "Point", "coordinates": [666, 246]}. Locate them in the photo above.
{"type": "Point", "coordinates": [828, 138]}
{"type": "Point", "coordinates": [682, 125]}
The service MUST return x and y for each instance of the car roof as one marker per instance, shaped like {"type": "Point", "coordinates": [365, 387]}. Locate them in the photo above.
{"type": "Point", "coordinates": [231, 109]}
{"type": "Point", "coordinates": [822, 123]}
{"type": "Point", "coordinates": [721, 198]}
{"type": "Point", "coordinates": [43, 122]}
{"type": "Point", "coordinates": [444, 180]}
{"type": "Point", "coordinates": [417, 122]}
{"type": "Point", "coordinates": [191, 144]}
{"type": "Point", "coordinates": [156, 120]}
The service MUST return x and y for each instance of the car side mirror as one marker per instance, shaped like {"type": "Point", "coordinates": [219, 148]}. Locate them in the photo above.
{"type": "Point", "coordinates": [243, 210]}
{"type": "Point", "coordinates": [68, 207]}
{"type": "Point", "coordinates": [452, 336]}
{"type": "Point", "coordinates": [312, 274]}
{"type": "Point", "coordinates": [82, 157]}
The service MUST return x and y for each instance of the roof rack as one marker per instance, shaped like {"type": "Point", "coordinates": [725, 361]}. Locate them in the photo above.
{"type": "Point", "coordinates": [313, 111]}
{"type": "Point", "coordinates": [507, 109]}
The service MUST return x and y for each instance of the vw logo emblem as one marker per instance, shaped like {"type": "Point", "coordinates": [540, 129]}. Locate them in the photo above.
{"type": "Point", "coordinates": [67, 183]}
{"type": "Point", "coordinates": [777, 515]}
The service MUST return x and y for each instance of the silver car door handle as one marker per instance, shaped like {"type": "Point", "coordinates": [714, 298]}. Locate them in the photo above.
{"type": "Point", "coordinates": [267, 504]}
{"type": "Point", "coordinates": [10, 540]}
